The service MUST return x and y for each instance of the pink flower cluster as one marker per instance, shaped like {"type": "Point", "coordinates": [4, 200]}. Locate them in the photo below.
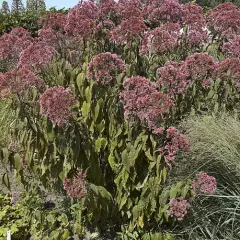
{"type": "Point", "coordinates": [196, 24]}
{"type": "Point", "coordinates": [18, 81]}
{"type": "Point", "coordinates": [11, 44]}
{"type": "Point", "coordinates": [228, 68]}
{"type": "Point", "coordinates": [178, 207]}
{"type": "Point", "coordinates": [52, 32]}
{"type": "Point", "coordinates": [199, 65]}
{"type": "Point", "coordinates": [204, 184]}
{"type": "Point", "coordinates": [128, 30]}
{"type": "Point", "coordinates": [142, 99]}
{"type": "Point", "coordinates": [174, 143]}
{"type": "Point", "coordinates": [56, 103]}
{"type": "Point", "coordinates": [232, 49]}
{"type": "Point", "coordinates": [81, 19]}
{"type": "Point", "coordinates": [107, 9]}
{"type": "Point", "coordinates": [225, 19]}
{"type": "Point", "coordinates": [167, 11]}
{"type": "Point", "coordinates": [36, 55]}
{"type": "Point", "coordinates": [161, 39]}
{"type": "Point", "coordinates": [105, 66]}
{"type": "Point", "coordinates": [131, 24]}
{"type": "Point", "coordinates": [54, 21]}
{"type": "Point", "coordinates": [76, 186]}
{"type": "Point", "coordinates": [172, 78]}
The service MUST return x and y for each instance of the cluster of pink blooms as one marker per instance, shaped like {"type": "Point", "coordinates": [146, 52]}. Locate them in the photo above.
{"type": "Point", "coordinates": [172, 78]}
{"type": "Point", "coordinates": [161, 39]}
{"type": "Point", "coordinates": [107, 9]}
{"type": "Point", "coordinates": [228, 68]}
{"type": "Point", "coordinates": [232, 49]}
{"type": "Point", "coordinates": [178, 207]}
{"type": "Point", "coordinates": [54, 21]}
{"type": "Point", "coordinates": [128, 30]}
{"type": "Point", "coordinates": [18, 81]}
{"type": "Point", "coordinates": [196, 24]}
{"type": "Point", "coordinates": [131, 24]}
{"type": "Point", "coordinates": [81, 19]}
{"type": "Point", "coordinates": [36, 55]}
{"type": "Point", "coordinates": [174, 143]}
{"type": "Point", "coordinates": [142, 99]}
{"type": "Point", "coordinates": [76, 186]}
{"type": "Point", "coordinates": [56, 103]}
{"type": "Point", "coordinates": [204, 184]}
{"type": "Point", "coordinates": [225, 19]}
{"type": "Point", "coordinates": [52, 31]}
{"type": "Point", "coordinates": [199, 65]}
{"type": "Point", "coordinates": [167, 11]}
{"type": "Point", "coordinates": [11, 44]}
{"type": "Point", "coordinates": [105, 66]}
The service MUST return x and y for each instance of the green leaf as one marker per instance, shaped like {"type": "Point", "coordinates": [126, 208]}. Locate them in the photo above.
{"type": "Point", "coordinates": [5, 180]}
{"type": "Point", "coordinates": [164, 173]}
{"type": "Point", "coordinates": [80, 79]}
{"type": "Point", "coordinates": [54, 235]}
{"type": "Point", "coordinates": [5, 155]}
{"type": "Point", "coordinates": [96, 112]}
{"type": "Point", "coordinates": [185, 191]}
{"type": "Point", "coordinates": [17, 161]}
{"type": "Point", "coordinates": [88, 94]}
{"type": "Point", "coordinates": [85, 108]}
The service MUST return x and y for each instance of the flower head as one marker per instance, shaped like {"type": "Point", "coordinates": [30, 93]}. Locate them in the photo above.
{"type": "Point", "coordinates": [178, 207]}
{"type": "Point", "coordinates": [232, 48]}
{"type": "Point", "coordinates": [174, 143]}
{"type": "Point", "coordinates": [141, 99]}
{"type": "Point", "coordinates": [56, 103]}
{"type": "Point", "coordinates": [161, 39]}
{"type": "Point", "coordinates": [199, 65]}
{"type": "Point", "coordinates": [105, 66]}
{"type": "Point", "coordinates": [11, 45]}
{"type": "Point", "coordinates": [36, 55]}
{"type": "Point", "coordinates": [76, 186]}
{"type": "Point", "coordinates": [172, 78]}
{"type": "Point", "coordinates": [229, 68]}
{"type": "Point", "coordinates": [168, 11]}
{"type": "Point", "coordinates": [225, 19]}
{"type": "Point", "coordinates": [204, 184]}
{"type": "Point", "coordinates": [81, 19]}
{"type": "Point", "coordinates": [18, 81]}
{"type": "Point", "coordinates": [128, 30]}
